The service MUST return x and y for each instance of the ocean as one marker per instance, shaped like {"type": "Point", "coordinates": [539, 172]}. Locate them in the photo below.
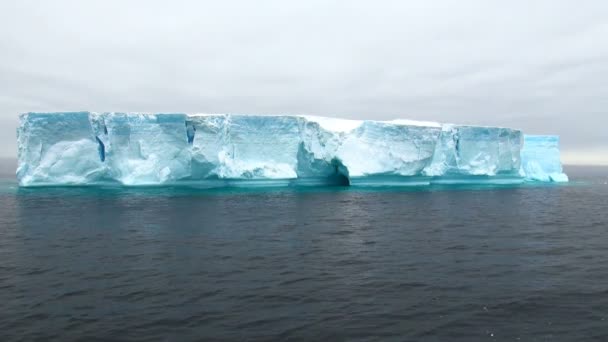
{"type": "Point", "coordinates": [504, 263]}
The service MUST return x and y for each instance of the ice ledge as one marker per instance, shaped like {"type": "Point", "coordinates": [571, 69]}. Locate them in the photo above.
{"type": "Point", "coordinates": [136, 149]}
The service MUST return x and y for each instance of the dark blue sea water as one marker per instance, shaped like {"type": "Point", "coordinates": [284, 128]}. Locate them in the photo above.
{"type": "Point", "coordinates": [441, 264]}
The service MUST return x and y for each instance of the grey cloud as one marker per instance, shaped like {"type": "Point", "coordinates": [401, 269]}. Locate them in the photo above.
{"type": "Point", "coordinates": [540, 66]}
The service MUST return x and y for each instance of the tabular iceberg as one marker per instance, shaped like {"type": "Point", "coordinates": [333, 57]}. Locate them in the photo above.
{"type": "Point", "coordinates": [86, 148]}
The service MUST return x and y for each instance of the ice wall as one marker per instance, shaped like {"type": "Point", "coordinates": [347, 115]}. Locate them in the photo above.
{"type": "Point", "coordinates": [58, 149]}
{"type": "Point", "coordinates": [217, 150]}
{"type": "Point", "coordinates": [541, 160]}
{"type": "Point", "coordinates": [474, 154]}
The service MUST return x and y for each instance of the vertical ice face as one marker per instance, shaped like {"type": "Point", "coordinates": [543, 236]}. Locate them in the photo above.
{"type": "Point", "coordinates": [57, 149]}
{"type": "Point", "coordinates": [245, 147]}
{"type": "Point", "coordinates": [145, 149]}
{"type": "Point", "coordinates": [261, 147]}
{"type": "Point", "coordinates": [476, 151]}
{"type": "Point", "coordinates": [209, 140]}
{"type": "Point", "coordinates": [509, 146]}
{"type": "Point", "coordinates": [150, 149]}
{"type": "Point", "coordinates": [317, 151]}
{"type": "Point", "coordinates": [379, 148]}
{"type": "Point", "coordinates": [541, 160]}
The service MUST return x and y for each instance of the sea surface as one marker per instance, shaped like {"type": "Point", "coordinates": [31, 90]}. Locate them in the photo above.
{"type": "Point", "coordinates": [525, 263]}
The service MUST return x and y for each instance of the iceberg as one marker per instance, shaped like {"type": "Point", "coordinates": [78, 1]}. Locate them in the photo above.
{"type": "Point", "coordinates": [211, 150]}
{"type": "Point", "coordinates": [540, 159]}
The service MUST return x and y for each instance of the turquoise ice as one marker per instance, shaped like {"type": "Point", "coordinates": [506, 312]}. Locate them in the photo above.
{"type": "Point", "coordinates": [132, 149]}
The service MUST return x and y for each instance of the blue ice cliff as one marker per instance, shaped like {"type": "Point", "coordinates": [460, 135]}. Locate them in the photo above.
{"type": "Point", "coordinates": [86, 148]}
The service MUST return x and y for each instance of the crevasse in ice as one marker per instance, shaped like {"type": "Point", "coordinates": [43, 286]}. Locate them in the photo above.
{"type": "Point", "coordinates": [85, 148]}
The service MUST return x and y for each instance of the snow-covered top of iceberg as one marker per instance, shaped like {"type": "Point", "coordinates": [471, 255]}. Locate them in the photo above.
{"type": "Point", "coordinates": [334, 124]}
{"type": "Point", "coordinates": [87, 148]}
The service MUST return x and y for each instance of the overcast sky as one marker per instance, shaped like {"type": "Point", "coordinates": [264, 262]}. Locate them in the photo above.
{"type": "Point", "coordinates": [541, 66]}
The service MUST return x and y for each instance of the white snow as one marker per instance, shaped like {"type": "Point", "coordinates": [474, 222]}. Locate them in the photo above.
{"type": "Point", "coordinates": [334, 124]}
